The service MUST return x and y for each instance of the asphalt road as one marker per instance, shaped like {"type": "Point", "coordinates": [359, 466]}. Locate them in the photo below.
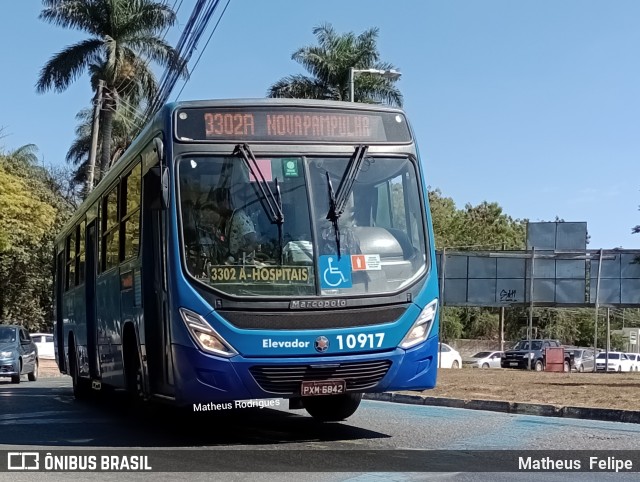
{"type": "Point", "coordinates": [43, 415]}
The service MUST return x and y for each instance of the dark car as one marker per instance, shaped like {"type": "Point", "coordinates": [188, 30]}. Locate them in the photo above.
{"type": "Point", "coordinates": [531, 354]}
{"type": "Point", "coordinates": [18, 354]}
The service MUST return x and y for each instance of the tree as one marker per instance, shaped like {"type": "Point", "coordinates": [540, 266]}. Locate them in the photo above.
{"type": "Point", "coordinates": [329, 63]}
{"type": "Point", "coordinates": [32, 208]}
{"type": "Point", "coordinates": [122, 33]}
{"type": "Point", "coordinates": [125, 127]}
{"type": "Point", "coordinates": [482, 225]}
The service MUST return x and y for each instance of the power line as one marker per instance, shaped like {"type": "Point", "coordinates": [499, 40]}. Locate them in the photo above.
{"type": "Point", "coordinates": [195, 27]}
{"type": "Point", "coordinates": [205, 47]}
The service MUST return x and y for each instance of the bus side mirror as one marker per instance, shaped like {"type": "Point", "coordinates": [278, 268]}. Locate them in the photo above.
{"type": "Point", "coordinates": [158, 147]}
{"type": "Point", "coordinates": [163, 174]}
{"type": "Point", "coordinates": [164, 186]}
{"type": "Point", "coordinates": [158, 188]}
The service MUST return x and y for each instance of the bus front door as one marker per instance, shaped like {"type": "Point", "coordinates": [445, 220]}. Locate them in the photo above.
{"type": "Point", "coordinates": [90, 296]}
{"type": "Point", "coordinates": [154, 288]}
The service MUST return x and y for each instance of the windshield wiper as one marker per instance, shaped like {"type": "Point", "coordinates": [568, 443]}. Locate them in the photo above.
{"type": "Point", "coordinates": [273, 201]}
{"type": "Point", "coordinates": [338, 200]}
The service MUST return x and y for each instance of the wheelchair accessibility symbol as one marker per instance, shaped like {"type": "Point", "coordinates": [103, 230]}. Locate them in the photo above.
{"type": "Point", "coordinates": [335, 273]}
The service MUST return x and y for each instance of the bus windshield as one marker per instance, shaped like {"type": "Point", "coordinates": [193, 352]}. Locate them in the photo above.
{"type": "Point", "coordinates": [232, 243]}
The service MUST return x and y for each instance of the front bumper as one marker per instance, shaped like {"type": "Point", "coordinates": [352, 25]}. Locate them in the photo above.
{"type": "Point", "coordinates": [9, 368]}
{"type": "Point", "coordinates": [203, 378]}
{"type": "Point", "coordinates": [519, 363]}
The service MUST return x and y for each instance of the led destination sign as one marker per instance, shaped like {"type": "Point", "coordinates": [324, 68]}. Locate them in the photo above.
{"type": "Point", "coordinates": [288, 124]}
{"type": "Point", "coordinates": [265, 274]}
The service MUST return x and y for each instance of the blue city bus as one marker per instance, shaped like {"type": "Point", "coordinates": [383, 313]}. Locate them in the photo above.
{"type": "Point", "coordinates": [254, 249]}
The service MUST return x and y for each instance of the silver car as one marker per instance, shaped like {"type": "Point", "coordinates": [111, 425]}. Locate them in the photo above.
{"type": "Point", "coordinates": [483, 359]}
{"type": "Point", "coordinates": [18, 354]}
{"type": "Point", "coordinates": [583, 360]}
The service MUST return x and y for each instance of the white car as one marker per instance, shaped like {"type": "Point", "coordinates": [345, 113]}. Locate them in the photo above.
{"type": "Point", "coordinates": [617, 362]}
{"type": "Point", "coordinates": [450, 358]}
{"type": "Point", "coordinates": [44, 342]}
{"type": "Point", "coordinates": [635, 361]}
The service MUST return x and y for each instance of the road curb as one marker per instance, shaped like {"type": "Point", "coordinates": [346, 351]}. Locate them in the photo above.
{"type": "Point", "coordinates": [519, 408]}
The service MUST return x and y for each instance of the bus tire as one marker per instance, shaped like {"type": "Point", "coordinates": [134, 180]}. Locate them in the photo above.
{"type": "Point", "coordinates": [332, 408]}
{"type": "Point", "coordinates": [133, 372]}
{"type": "Point", "coordinates": [81, 387]}
{"type": "Point", "coordinates": [33, 376]}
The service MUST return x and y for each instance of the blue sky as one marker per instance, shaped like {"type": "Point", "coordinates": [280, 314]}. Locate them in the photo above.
{"type": "Point", "coordinates": [534, 104]}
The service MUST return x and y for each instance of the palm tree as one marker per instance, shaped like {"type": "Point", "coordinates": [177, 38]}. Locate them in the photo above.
{"type": "Point", "coordinates": [122, 32]}
{"type": "Point", "coordinates": [329, 63]}
{"type": "Point", "coordinates": [125, 127]}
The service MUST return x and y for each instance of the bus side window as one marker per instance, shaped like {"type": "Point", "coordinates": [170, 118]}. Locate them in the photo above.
{"type": "Point", "coordinates": [70, 259]}
{"type": "Point", "coordinates": [110, 231]}
{"type": "Point", "coordinates": [80, 253]}
{"type": "Point", "coordinates": [130, 212]}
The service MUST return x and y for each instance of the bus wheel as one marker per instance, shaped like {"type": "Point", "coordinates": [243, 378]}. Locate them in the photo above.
{"type": "Point", "coordinates": [81, 387]}
{"type": "Point", "coordinates": [133, 373]}
{"type": "Point", "coordinates": [332, 408]}
{"type": "Point", "coordinates": [33, 376]}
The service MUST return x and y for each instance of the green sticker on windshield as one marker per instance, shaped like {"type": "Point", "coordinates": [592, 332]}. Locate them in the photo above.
{"type": "Point", "coordinates": [290, 167]}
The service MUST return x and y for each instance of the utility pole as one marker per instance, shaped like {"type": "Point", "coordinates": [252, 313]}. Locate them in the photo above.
{"type": "Point", "coordinates": [595, 327]}
{"type": "Point", "coordinates": [443, 259]}
{"type": "Point", "coordinates": [502, 328]}
{"type": "Point", "coordinates": [504, 247]}
{"type": "Point", "coordinates": [94, 136]}
{"type": "Point", "coordinates": [608, 333]}
{"type": "Point", "coordinates": [530, 324]}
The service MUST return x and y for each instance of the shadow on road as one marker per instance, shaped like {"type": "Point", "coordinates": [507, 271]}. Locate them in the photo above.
{"type": "Point", "coordinates": [34, 414]}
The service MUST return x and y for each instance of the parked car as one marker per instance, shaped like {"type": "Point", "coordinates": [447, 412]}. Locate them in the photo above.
{"type": "Point", "coordinates": [531, 354]}
{"type": "Point", "coordinates": [617, 362]}
{"type": "Point", "coordinates": [635, 361]}
{"type": "Point", "coordinates": [44, 342]}
{"type": "Point", "coordinates": [484, 359]}
{"type": "Point", "coordinates": [450, 358]}
{"type": "Point", "coordinates": [18, 354]}
{"type": "Point", "coordinates": [583, 359]}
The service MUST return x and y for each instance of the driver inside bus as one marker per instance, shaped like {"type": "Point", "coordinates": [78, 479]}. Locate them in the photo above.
{"type": "Point", "coordinates": [237, 227]}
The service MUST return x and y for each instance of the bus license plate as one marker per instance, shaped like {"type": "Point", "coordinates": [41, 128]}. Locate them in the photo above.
{"type": "Point", "coordinates": [325, 387]}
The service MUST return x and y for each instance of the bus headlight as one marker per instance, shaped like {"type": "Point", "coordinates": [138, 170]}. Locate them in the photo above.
{"type": "Point", "coordinates": [206, 337]}
{"type": "Point", "coordinates": [422, 326]}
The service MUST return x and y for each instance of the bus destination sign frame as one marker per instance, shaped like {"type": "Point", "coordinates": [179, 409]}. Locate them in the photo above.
{"type": "Point", "coordinates": [291, 124]}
